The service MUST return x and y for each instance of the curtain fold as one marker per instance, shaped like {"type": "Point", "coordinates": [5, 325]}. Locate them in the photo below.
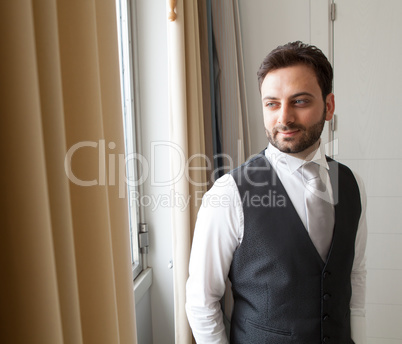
{"type": "Point", "coordinates": [65, 255]}
{"type": "Point", "coordinates": [207, 100]}
{"type": "Point", "coordinates": [231, 115]}
{"type": "Point", "coordinates": [187, 133]}
{"type": "Point", "coordinates": [52, 117]}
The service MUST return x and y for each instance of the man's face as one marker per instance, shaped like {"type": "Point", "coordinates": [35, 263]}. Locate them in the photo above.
{"type": "Point", "coordinates": [293, 108]}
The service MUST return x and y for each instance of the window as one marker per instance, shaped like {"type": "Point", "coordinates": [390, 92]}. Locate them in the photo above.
{"type": "Point", "coordinates": [130, 107]}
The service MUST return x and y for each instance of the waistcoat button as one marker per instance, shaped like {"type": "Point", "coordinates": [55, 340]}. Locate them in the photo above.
{"type": "Point", "coordinates": [326, 297]}
{"type": "Point", "coordinates": [325, 340]}
{"type": "Point", "coordinates": [325, 317]}
{"type": "Point", "coordinates": [326, 274]}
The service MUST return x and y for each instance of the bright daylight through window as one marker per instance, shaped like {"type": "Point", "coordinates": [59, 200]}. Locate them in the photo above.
{"type": "Point", "coordinates": [127, 76]}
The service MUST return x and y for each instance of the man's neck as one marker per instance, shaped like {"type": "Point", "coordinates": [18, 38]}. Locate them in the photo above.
{"type": "Point", "coordinates": [308, 153]}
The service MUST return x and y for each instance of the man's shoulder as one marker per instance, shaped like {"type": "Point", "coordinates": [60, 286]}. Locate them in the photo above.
{"type": "Point", "coordinates": [258, 160]}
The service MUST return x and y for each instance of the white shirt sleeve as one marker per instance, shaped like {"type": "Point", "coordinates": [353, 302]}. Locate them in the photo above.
{"type": "Point", "coordinates": [218, 232]}
{"type": "Point", "coordinates": [358, 276]}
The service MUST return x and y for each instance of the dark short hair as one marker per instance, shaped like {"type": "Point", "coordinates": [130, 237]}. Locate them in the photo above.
{"type": "Point", "coordinates": [296, 53]}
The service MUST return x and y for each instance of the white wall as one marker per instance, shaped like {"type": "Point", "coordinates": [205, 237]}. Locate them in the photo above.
{"type": "Point", "coordinates": [152, 48]}
{"type": "Point", "coordinates": [367, 85]}
{"type": "Point", "coordinates": [144, 319]}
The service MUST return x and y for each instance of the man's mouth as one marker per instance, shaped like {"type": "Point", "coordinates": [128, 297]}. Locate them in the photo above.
{"type": "Point", "coordinates": [289, 133]}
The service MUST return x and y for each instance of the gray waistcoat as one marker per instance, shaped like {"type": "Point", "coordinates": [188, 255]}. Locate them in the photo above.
{"type": "Point", "coordinates": [283, 291]}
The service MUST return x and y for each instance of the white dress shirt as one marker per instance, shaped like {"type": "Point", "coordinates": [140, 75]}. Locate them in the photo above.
{"type": "Point", "coordinates": [219, 231]}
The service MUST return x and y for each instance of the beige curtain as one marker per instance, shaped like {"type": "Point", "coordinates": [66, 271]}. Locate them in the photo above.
{"type": "Point", "coordinates": [233, 116]}
{"type": "Point", "coordinates": [187, 132]}
{"type": "Point", "coordinates": [206, 84]}
{"type": "Point", "coordinates": [64, 248]}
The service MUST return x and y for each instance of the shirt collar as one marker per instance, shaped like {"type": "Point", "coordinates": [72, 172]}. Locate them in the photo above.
{"type": "Point", "coordinates": [273, 154]}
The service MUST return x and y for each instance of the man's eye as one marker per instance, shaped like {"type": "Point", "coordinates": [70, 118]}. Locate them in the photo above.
{"type": "Point", "coordinates": [301, 101]}
{"type": "Point", "coordinates": [269, 104]}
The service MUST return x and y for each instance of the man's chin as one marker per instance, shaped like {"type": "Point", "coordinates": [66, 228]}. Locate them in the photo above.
{"type": "Point", "coordinates": [288, 149]}
{"type": "Point", "coordinates": [291, 147]}
{"type": "Point", "coordinates": [287, 146]}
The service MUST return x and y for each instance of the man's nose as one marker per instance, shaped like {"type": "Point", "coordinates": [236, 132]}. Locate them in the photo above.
{"type": "Point", "coordinates": [286, 115]}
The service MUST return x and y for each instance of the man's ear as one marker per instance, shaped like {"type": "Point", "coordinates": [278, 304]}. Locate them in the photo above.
{"type": "Point", "coordinates": [329, 106]}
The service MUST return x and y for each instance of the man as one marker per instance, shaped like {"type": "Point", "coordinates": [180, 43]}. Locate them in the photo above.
{"type": "Point", "coordinates": [290, 231]}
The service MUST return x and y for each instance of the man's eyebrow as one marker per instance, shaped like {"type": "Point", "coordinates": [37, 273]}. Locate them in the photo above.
{"type": "Point", "coordinates": [268, 97]}
{"type": "Point", "coordinates": [302, 94]}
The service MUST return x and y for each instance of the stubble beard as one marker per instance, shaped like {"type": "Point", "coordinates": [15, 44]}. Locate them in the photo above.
{"type": "Point", "coordinates": [309, 136]}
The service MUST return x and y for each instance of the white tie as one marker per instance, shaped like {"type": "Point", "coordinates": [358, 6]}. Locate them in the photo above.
{"type": "Point", "coordinates": [319, 208]}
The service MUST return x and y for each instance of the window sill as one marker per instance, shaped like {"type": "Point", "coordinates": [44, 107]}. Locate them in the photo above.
{"type": "Point", "coordinates": [142, 283]}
